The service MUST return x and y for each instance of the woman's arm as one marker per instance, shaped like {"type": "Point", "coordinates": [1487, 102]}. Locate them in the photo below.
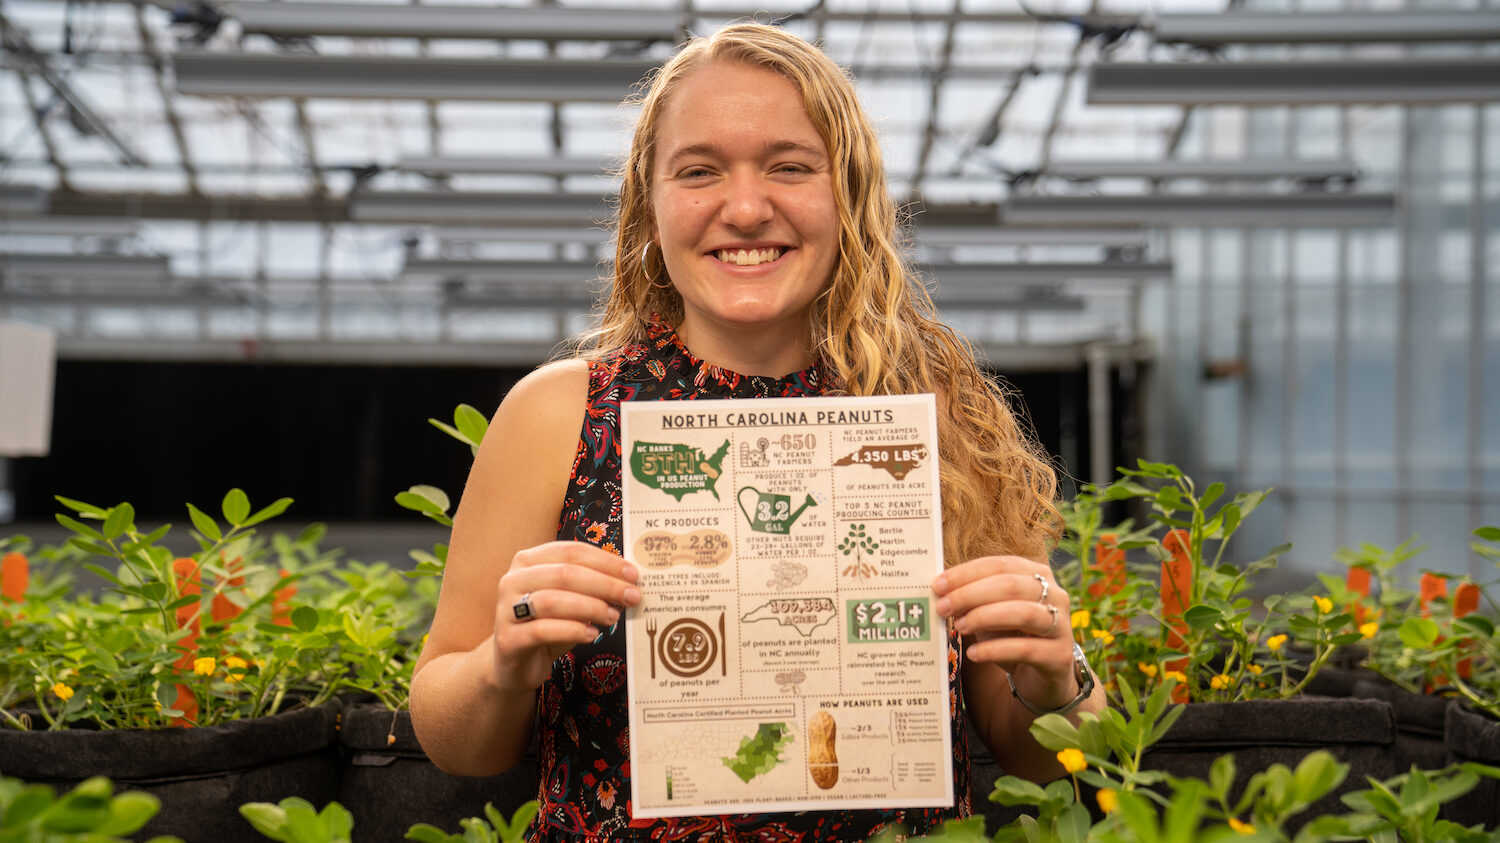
{"type": "Point", "coordinates": [995, 603]}
{"type": "Point", "coordinates": [474, 690]}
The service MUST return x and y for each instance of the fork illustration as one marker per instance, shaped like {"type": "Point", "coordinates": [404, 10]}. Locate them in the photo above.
{"type": "Point", "coordinates": [651, 643]}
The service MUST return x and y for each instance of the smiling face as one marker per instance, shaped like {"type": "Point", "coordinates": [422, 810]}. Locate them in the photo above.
{"type": "Point", "coordinates": [743, 207]}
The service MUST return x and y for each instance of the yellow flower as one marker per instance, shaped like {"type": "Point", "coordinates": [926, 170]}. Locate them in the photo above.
{"type": "Point", "coordinates": [1072, 760]}
{"type": "Point", "coordinates": [234, 667]}
{"type": "Point", "coordinates": [1148, 669]}
{"type": "Point", "coordinates": [1254, 668]}
{"type": "Point", "coordinates": [62, 692]}
{"type": "Point", "coordinates": [1241, 827]}
{"type": "Point", "coordinates": [1108, 800]}
{"type": "Point", "coordinates": [1368, 630]}
{"type": "Point", "coordinates": [1324, 604]}
{"type": "Point", "coordinates": [1080, 619]}
{"type": "Point", "coordinates": [1220, 682]}
{"type": "Point", "coordinates": [1275, 642]}
{"type": "Point", "coordinates": [204, 665]}
{"type": "Point", "coordinates": [1103, 635]}
{"type": "Point", "coordinates": [1175, 674]}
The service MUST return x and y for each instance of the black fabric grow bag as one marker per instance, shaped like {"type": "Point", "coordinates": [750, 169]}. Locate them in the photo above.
{"type": "Point", "coordinates": [1473, 736]}
{"type": "Point", "coordinates": [1358, 732]}
{"type": "Point", "coordinates": [1420, 720]}
{"type": "Point", "coordinates": [389, 787]}
{"type": "Point", "coordinates": [201, 776]}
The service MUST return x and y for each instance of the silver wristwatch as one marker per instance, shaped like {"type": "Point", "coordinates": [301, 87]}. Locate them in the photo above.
{"type": "Point", "coordinates": [1081, 673]}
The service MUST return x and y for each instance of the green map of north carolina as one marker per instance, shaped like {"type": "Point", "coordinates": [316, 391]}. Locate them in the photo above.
{"type": "Point", "coordinates": [677, 469]}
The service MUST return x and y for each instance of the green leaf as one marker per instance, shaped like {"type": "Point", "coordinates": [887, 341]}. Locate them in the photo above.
{"type": "Point", "coordinates": [1201, 617]}
{"type": "Point", "coordinates": [1169, 498]}
{"type": "Point", "coordinates": [1230, 517]}
{"type": "Point", "coordinates": [102, 573]}
{"type": "Point", "coordinates": [1317, 774]}
{"type": "Point", "coordinates": [91, 547]}
{"type": "Point", "coordinates": [1478, 626]}
{"type": "Point", "coordinates": [127, 813]}
{"type": "Point", "coordinates": [79, 527]}
{"type": "Point", "coordinates": [302, 823]}
{"type": "Point", "coordinates": [425, 499]}
{"type": "Point", "coordinates": [1010, 790]}
{"type": "Point", "coordinates": [1325, 827]}
{"type": "Point", "coordinates": [160, 592]}
{"type": "Point", "coordinates": [119, 520]}
{"type": "Point", "coordinates": [337, 821]}
{"type": "Point", "coordinates": [470, 423]}
{"type": "Point", "coordinates": [424, 833]}
{"type": "Point", "coordinates": [1054, 732]}
{"type": "Point", "coordinates": [1418, 633]}
{"type": "Point", "coordinates": [1221, 776]}
{"type": "Point", "coordinates": [305, 618]}
{"type": "Point", "coordinates": [1491, 534]}
{"type": "Point", "coordinates": [1480, 769]}
{"type": "Point", "coordinates": [276, 508]}
{"type": "Point", "coordinates": [1211, 494]}
{"type": "Point", "coordinates": [147, 540]}
{"type": "Point", "coordinates": [1073, 824]}
{"type": "Point", "coordinates": [236, 506]}
{"type": "Point", "coordinates": [1139, 816]}
{"type": "Point", "coordinates": [28, 804]}
{"type": "Point", "coordinates": [204, 524]}
{"type": "Point", "coordinates": [1185, 811]}
{"type": "Point", "coordinates": [80, 507]}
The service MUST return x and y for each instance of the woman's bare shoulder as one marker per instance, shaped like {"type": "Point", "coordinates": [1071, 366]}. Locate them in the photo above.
{"type": "Point", "coordinates": [551, 390]}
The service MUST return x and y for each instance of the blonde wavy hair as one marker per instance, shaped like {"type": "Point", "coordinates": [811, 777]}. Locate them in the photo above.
{"type": "Point", "coordinates": [874, 327]}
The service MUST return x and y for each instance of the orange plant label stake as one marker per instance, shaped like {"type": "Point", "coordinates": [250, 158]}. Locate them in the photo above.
{"type": "Point", "coordinates": [1109, 563]}
{"type": "Point", "coordinates": [1176, 593]}
{"type": "Point", "coordinates": [1358, 581]}
{"type": "Point", "coordinates": [185, 570]}
{"type": "Point", "coordinates": [223, 608]}
{"type": "Point", "coordinates": [281, 602]}
{"type": "Point", "coordinates": [15, 576]}
{"type": "Point", "coordinates": [1465, 600]}
{"type": "Point", "coordinates": [1430, 588]}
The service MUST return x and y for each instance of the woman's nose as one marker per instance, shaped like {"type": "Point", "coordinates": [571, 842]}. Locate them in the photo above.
{"type": "Point", "coordinates": [748, 204]}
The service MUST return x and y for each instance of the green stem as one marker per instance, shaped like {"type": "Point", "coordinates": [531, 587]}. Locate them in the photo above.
{"type": "Point", "coordinates": [52, 724]}
{"type": "Point", "coordinates": [1320, 655]}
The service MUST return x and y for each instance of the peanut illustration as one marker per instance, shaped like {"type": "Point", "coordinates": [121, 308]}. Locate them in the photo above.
{"type": "Point", "coordinates": [822, 761]}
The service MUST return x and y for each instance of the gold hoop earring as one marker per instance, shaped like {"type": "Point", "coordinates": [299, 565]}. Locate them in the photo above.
{"type": "Point", "coordinates": [646, 267]}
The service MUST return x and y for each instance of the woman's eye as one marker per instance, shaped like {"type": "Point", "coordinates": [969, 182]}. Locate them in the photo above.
{"type": "Point", "coordinates": [694, 172]}
{"type": "Point", "coordinates": [792, 168]}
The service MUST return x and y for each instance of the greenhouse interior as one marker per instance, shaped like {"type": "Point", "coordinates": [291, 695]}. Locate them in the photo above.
{"type": "Point", "coordinates": [269, 267]}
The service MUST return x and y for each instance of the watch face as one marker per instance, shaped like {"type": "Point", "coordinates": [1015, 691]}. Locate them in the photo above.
{"type": "Point", "coordinates": [1084, 674]}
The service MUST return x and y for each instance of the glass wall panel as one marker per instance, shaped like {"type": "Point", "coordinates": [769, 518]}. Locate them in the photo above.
{"type": "Point", "coordinates": [1442, 526]}
{"type": "Point", "coordinates": [1264, 389]}
{"type": "Point", "coordinates": [1373, 521]}
{"type": "Point", "coordinates": [1311, 394]}
{"type": "Point", "coordinates": [1309, 520]}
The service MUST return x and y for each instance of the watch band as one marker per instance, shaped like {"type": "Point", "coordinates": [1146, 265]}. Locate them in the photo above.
{"type": "Point", "coordinates": [1081, 674]}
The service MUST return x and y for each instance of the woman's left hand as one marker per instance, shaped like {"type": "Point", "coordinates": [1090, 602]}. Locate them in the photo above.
{"type": "Point", "coordinates": [1012, 613]}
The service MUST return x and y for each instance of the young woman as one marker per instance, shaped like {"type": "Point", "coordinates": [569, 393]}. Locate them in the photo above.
{"type": "Point", "coordinates": [756, 256]}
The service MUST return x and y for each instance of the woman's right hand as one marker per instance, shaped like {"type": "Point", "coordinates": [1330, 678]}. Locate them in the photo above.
{"type": "Point", "coordinates": [575, 590]}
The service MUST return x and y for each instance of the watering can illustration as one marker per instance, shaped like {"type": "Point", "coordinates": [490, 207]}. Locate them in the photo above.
{"type": "Point", "coordinates": [769, 512]}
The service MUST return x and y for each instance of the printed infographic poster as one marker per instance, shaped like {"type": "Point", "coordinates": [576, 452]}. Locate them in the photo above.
{"type": "Point", "coordinates": [785, 656]}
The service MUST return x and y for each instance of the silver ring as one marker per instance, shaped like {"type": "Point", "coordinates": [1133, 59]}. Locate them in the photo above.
{"type": "Point", "coordinates": [1047, 633]}
{"type": "Point", "coordinates": [524, 612]}
{"type": "Point", "coordinates": [1046, 589]}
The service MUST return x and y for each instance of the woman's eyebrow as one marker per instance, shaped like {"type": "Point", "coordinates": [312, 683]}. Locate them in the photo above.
{"type": "Point", "coordinates": [710, 150]}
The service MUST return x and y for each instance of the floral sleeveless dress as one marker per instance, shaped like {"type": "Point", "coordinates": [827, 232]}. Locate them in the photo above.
{"type": "Point", "coordinates": [584, 757]}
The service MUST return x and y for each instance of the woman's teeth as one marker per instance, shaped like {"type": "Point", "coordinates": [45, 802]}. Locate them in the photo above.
{"type": "Point", "coordinates": [749, 257]}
